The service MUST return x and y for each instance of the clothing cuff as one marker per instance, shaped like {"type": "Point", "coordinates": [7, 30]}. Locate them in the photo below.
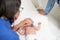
{"type": "Point", "coordinates": [46, 12]}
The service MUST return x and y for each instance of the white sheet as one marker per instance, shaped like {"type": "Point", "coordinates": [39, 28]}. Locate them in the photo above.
{"type": "Point", "coordinates": [29, 11]}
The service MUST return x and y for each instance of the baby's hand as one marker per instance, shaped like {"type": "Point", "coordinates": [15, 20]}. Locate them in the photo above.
{"type": "Point", "coordinates": [39, 23]}
{"type": "Point", "coordinates": [38, 27]}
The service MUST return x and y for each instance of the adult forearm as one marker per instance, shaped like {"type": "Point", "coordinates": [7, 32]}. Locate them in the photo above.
{"type": "Point", "coordinates": [16, 27]}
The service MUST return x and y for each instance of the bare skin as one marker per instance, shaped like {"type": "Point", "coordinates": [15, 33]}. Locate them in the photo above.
{"type": "Point", "coordinates": [29, 29]}
{"type": "Point", "coordinates": [32, 29]}
{"type": "Point", "coordinates": [22, 29]}
{"type": "Point", "coordinates": [41, 11]}
{"type": "Point", "coordinates": [23, 23]}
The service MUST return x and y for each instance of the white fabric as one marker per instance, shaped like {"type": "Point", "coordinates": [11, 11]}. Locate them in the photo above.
{"type": "Point", "coordinates": [21, 37]}
{"type": "Point", "coordinates": [37, 4]}
{"type": "Point", "coordinates": [31, 37]}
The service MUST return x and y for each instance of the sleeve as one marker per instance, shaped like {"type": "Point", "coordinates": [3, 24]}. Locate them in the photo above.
{"type": "Point", "coordinates": [49, 6]}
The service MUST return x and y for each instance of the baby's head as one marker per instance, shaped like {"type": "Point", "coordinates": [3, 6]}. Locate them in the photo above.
{"type": "Point", "coordinates": [29, 20]}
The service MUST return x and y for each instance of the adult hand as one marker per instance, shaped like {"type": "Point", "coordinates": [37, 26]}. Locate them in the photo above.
{"type": "Point", "coordinates": [41, 11]}
{"type": "Point", "coordinates": [23, 23]}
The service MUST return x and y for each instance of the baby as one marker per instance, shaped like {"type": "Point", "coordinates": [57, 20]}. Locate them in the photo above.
{"type": "Point", "coordinates": [29, 30]}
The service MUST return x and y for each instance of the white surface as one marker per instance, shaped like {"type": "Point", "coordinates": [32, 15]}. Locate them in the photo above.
{"type": "Point", "coordinates": [31, 37]}
{"type": "Point", "coordinates": [48, 30]}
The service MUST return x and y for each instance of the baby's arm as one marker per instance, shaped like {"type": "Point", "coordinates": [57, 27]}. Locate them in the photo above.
{"type": "Point", "coordinates": [37, 27]}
